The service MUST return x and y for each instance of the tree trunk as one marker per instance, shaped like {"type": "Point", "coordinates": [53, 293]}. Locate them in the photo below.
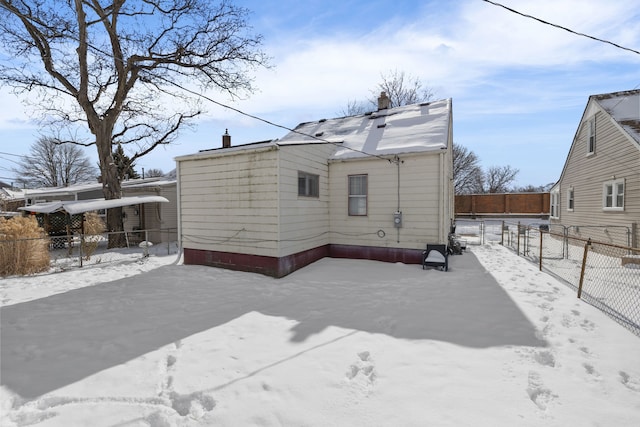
{"type": "Point", "coordinates": [110, 186]}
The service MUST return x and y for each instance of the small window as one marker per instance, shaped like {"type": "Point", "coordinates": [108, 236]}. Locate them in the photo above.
{"type": "Point", "coordinates": [358, 195]}
{"type": "Point", "coordinates": [613, 195]}
{"type": "Point", "coordinates": [570, 200]}
{"type": "Point", "coordinates": [591, 136]}
{"type": "Point", "coordinates": [555, 205]}
{"type": "Point", "coordinates": [308, 185]}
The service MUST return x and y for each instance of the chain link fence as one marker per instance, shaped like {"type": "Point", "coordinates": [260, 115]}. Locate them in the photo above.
{"type": "Point", "coordinates": [604, 274]}
{"type": "Point", "coordinates": [78, 250]}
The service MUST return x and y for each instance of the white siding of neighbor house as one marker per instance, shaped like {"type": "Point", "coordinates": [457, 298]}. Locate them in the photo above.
{"type": "Point", "coordinates": [229, 201]}
{"type": "Point", "coordinates": [421, 195]}
{"type": "Point", "coordinates": [615, 155]}
{"type": "Point", "coordinates": [161, 219]}
{"type": "Point", "coordinates": [304, 221]}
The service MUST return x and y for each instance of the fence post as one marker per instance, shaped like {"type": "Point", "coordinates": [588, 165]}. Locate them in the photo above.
{"type": "Point", "coordinates": [502, 233]}
{"type": "Point", "coordinates": [518, 243]}
{"type": "Point", "coordinates": [81, 245]}
{"type": "Point", "coordinates": [541, 233]}
{"type": "Point", "coordinates": [146, 243]}
{"type": "Point", "coordinates": [584, 263]}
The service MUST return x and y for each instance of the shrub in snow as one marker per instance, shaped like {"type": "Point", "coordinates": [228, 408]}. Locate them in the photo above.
{"type": "Point", "coordinates": [93, 228]}
{"type": "Point", "coordinates": [24, 247]}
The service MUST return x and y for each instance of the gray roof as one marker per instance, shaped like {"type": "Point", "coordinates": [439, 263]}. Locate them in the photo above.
{"type": "Point", "coordinates": [624, 108]}
{"type": "Point", "coordinates": [407, 129]}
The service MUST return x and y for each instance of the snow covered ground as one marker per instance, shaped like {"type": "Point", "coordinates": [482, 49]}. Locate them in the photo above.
{"type": "Point", "coordinates": [492, 342]}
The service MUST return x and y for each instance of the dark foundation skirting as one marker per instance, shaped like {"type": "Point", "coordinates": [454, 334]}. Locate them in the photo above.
{"type": "Point", "coordinates": [280, 267]}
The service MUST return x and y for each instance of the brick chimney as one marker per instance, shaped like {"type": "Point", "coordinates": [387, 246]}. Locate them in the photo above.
{"type": "Point", "coordinates": [383, 101]}
{"type": "Point", "coordinates": [226, 139]}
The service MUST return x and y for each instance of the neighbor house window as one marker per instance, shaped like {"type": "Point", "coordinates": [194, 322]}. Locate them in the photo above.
{"type": "Point", "coordinates": [591, 136]}
{"type": "Point", "coordinates": [570, 200]}
{"type": "Point", "coordinates": [357, 195]}
{"type": "Point", "coordinates": [555, 197]}
{"type": "Point", "coordinates": [308, 185]}
{"type": "Point", "coordinates": [613, 195]}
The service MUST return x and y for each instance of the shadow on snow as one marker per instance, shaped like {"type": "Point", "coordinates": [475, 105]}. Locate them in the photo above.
{"type": "Point", "coordinates": [52, 342]}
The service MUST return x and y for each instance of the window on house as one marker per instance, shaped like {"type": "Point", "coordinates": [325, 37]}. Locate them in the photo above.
{"type": "Point", "coordinates": [554, 204]}
{"type": "Point", "coordinates": [613, 195]}
{"type": "Point", "coordinates": [591, 136]}
{"type": "Point", "coordinates": [308, 185]}
{"type": "Point", "coordinates": [357, 195]}
{"type": "Point", "coordinates": [570, 200]}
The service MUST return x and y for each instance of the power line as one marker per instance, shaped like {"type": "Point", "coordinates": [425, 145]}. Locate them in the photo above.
{"type": "Point", "coordinates": [272, 123]}
{"type": "Point", "coordinates": [561, 27]}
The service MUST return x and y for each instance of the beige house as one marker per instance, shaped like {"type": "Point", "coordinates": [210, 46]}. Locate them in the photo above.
{"type": "Point", "coordinates": [374, 186]}
{"type": "Point", "coordinates": [598, 194]}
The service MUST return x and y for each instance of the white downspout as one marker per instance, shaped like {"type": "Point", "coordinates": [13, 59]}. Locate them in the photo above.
{"type": "Point", "coordinates": [443, 213]}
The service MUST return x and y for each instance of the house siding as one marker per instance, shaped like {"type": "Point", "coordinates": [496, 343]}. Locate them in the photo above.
{"type": "Point", "coordinates": [615, 155]}
{"type": "Point", "coordinates": [304, 221]}
{"type": "Point", "coordinates": [421, 207]}
{"type": "Point", "coordinates": [229, 203]}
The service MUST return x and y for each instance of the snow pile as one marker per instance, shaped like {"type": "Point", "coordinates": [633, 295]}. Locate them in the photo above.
{"type": "Point", "coordinates": [492, 342]}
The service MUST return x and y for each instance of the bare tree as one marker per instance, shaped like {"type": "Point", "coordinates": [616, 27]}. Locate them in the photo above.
{"type": "Point", "coordinates": [128, 71]}
{"type": "Point", "coordinates": [355, 107]}
{"type": "Point", "coordinates": [498, 179]}
{"type": "Point", "coordinates": [51, 164]}
{"type": "Point", "coordinates": [534, 188]}
{"type": "Point", "coordinates": [152, 173]}
{"type": "Point", "coordinates": [400, 87]}
{"type": "Point", "coordinates": [467, 173]}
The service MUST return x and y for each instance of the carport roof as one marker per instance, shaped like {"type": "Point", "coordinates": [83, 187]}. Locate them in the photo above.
{"type": "Point", "coordinates": [80, 206]}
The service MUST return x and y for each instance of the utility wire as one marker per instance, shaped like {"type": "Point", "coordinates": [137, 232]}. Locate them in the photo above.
{"type": "Point", "coordinates": [561, 27]}
{"type": "Point", "coordinates": [272, 123]}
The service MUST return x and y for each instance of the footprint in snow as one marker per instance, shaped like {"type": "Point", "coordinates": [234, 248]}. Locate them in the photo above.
{"type": "Point", "coordinates": [589, 369]}
{"type": "Point", "coordinates": [365, 366]}
{"type": "Point", "coordinates": [538, 393]}
{"type": "Point", "coordinates": [629, 382]}
{"type": "Point", "coordinates": [588, 325]}
{"type": "Point", "coordinates": [545, 358]}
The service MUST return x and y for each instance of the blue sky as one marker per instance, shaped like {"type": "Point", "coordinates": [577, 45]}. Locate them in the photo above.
{"type": "Point", "coordinates": [519, 87]}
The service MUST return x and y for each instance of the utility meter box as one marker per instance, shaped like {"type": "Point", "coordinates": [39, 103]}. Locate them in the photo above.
{"type": "Point", "coordinates": [397, 219]}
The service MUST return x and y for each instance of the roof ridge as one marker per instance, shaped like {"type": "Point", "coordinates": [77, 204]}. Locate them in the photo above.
{"type": "Point", "coordinates": [616, 94]}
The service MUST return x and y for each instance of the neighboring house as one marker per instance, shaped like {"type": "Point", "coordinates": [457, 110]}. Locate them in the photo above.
{"type": "Point", "coordinates": [161, 218]}
{"type": "Point", "coordinates": [598, 193]}
{"type": "Point", "coordinates": [10, 200]}
{"type": "Point", "coordinates": [374, 186]}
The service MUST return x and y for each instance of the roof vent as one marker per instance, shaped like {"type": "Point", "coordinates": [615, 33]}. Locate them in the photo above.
{"type": "Point", "coordinates": [319, 133]}
{"type": "Point", "coordinates": [382, 125]}
{"type": "Point", "coordinates": [322, 120]}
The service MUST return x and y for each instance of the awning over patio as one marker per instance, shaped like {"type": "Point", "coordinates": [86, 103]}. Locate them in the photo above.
{"type": "Point", "coordinates": [80, 206]}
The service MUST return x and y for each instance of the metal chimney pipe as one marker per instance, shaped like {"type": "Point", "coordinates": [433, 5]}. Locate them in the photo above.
{"type": "Point", "coordinates": [226, 139]}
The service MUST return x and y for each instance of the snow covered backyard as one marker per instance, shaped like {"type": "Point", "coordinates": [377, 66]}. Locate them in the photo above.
{"type": "Point", "coordinates": [492, 342]}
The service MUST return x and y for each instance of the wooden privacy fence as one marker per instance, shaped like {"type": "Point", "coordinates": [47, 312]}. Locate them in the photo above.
{"type": "Point", "coordinates": [512, 204]}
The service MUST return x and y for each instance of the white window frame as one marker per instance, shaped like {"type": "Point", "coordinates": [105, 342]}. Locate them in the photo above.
{"type": "Point", "coordinates": [570, 200]}
{"type": "Point", "coordinates": [308, 185]}
{"type": "Point", "coordinates": [613, 195]}
{"type": "Point", "coordinates": [358, 200]}
{"type": "Point", "coordinates": [555, 204]}
{"type": "Point", "coordinates": [591, 136]}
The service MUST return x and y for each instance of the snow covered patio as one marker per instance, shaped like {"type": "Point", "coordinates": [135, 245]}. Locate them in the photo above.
{"type": "Point", "coordinates": [340, 342]}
